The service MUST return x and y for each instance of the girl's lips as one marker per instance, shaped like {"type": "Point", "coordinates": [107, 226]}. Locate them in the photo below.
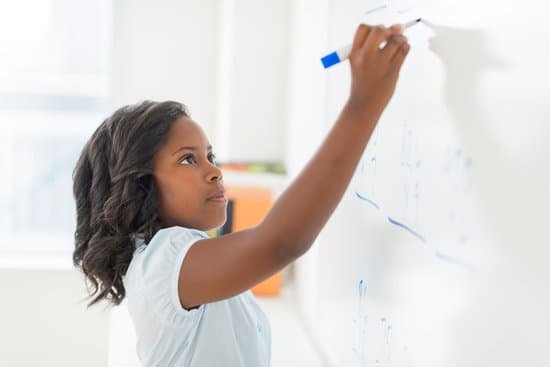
{"type": "Point", "coordinates": [218, 199]}
{"type": "Point", "coordinates": [219, 195]}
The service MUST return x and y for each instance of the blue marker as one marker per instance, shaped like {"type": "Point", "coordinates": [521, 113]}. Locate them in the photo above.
{"type": "Point", "coordinates": [342, 54]}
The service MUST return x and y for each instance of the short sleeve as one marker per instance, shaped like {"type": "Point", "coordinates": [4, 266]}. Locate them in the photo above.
{"type": "Point", "coordinates": [160, 268]}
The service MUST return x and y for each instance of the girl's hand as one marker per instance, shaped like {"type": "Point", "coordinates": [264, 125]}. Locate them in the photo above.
{"type": "Point", "coordinates": [375, 70]}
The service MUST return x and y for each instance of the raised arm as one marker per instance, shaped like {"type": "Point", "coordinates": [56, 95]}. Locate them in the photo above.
{"type": "Point", "coordinates": [222, 267]}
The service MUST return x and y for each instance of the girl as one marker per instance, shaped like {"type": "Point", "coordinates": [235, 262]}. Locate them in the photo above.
{"type": "Point", "coordinates": [147, 188]}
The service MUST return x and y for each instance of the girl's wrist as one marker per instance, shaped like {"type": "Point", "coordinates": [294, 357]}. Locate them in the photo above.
{"type": "Point", "coordinates": [364, 109]}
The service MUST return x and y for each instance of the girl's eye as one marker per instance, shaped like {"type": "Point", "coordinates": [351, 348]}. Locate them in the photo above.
{"type": "Point", "coordinates": [190, 159]}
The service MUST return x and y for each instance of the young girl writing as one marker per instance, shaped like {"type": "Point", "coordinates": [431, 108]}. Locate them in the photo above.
{"type": "Point", "coordinates": [147, 188]}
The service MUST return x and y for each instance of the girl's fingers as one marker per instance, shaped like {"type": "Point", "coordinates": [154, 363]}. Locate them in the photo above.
{"type": "Point", "coordinates": [376, 36]}
{"type": "Point", "coordinates": [360, 36]}
{"type": "Point", "coordinates": [397, 28]}
{"type": "Point", "coordinates": [368, 39]}
{"type": "Point", "coordinates": [399, 56]}
{"type": "Point", "coordinates": [395, 42]}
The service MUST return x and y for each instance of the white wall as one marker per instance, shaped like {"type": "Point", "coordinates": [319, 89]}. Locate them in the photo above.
{"type": "Point", "coordinates": [43, 322]}
{"type": "Point", "coordinates": [258, 82]}
{"type": "Point", "coordinates": [226, 60]}
{"type": "Point", "coordinates": [167, 49]}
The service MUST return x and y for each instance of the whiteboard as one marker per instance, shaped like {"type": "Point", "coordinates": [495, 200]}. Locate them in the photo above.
{"type": "Point", "coordinates": [438, 252]}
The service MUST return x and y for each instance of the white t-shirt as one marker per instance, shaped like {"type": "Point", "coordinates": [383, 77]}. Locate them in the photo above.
{"type": "Point", "coordinates": [231, 332]}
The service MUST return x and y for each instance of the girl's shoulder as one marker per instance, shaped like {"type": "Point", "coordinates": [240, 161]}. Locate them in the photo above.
{"type": "Point", "coordinates": [168, 234]}
{"type": "Point", "coordinates": [153, 273]}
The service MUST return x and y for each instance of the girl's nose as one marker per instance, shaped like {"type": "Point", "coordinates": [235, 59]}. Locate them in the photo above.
{"type": "Point", "coordinates": [215, 174]}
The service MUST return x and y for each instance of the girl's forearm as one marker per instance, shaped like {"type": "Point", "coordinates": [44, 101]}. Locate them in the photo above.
{"type": "Point", "coordinates": [302, 210]}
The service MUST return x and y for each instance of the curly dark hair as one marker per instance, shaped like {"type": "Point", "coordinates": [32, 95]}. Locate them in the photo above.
{"type": "Point", "coordinates": [116, 198]}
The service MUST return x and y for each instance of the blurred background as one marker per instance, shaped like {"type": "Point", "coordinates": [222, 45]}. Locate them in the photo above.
{"type": "Point", "coordinates": [65, 65]}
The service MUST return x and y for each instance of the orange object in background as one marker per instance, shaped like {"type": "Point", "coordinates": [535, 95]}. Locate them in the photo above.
{"type": "Point", "coordinates": [250, 207]}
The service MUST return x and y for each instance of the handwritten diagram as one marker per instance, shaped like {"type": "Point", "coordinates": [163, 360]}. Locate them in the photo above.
{"type": "Point", "coordinates": [378, 348]}
{"type": "Point", "coordinates": [428, 191]}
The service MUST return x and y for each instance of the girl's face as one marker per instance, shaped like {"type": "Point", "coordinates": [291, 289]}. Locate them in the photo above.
{"type": "Point", "coordinates": [189, 185]}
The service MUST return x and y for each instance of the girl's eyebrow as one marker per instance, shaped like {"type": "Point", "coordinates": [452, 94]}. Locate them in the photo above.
{"type": "Point", "coordinates": [208, 148]}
